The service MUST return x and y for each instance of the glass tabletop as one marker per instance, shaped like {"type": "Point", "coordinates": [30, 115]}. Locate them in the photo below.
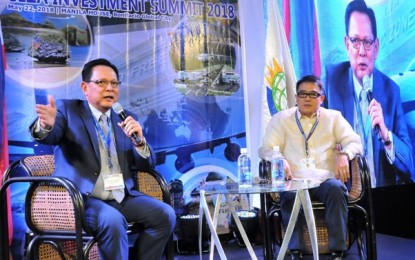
{"type": "Point", "coordinates": [223, 187]}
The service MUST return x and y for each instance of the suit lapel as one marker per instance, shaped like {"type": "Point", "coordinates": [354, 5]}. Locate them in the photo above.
{"type": "Point", "coordinates": [377, 92]}
{"type": "Point", "coordinates": [349, 96]}
{"type": "Point", "coordinates": [377, 87]}
{"type": "Point", "coordinates": [87, 118]}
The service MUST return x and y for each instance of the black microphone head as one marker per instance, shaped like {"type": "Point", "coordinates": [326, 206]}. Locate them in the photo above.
{"type": "Point", "coordinates": [119, 110]}
{"type": "Point", "coordinates": [366, 85]}
{"type": "Point", "coordinates": [369, 95]}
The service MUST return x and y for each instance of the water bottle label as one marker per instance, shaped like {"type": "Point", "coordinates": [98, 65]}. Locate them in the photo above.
{"type": "Point", "coordinates": [277, 170]}
{"type": "Point", "coordinates": [245, 176]}
{"type": "Point", "coordinates": [244, 170]}
{"type": "Point", "coordinates": [280, 169]}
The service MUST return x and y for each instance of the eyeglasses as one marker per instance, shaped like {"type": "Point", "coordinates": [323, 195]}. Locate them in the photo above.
{"type": "Point", "coordinates": [104, 83]}
{"type": "Point", "coordinates": [312, 94]}
{"type": "Point", "coordinates": [356, 42]}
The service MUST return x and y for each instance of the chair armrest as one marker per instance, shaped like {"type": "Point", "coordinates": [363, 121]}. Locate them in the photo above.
{"type": "Point", "coordinates": [9, 171]}
{"type": "Point", "coordinates": [359, 178]}
{"type": "Point", "coordinates": [153, 183]}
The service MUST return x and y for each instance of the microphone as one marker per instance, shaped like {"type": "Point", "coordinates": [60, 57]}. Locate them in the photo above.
{"type": "Point", "coordinates": [120, 112]}
{"type": "Point", "coordinates": [366, 86]}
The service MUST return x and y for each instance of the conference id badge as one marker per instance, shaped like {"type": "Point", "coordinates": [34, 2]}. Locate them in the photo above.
{"type": "Point", "coordinates": [308, 163]}
{"type": "Point", "coordinates": [113, 181]}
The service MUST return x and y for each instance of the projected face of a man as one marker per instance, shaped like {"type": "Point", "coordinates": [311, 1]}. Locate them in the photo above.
{"type": "Point", "coordinates": [362, 59]}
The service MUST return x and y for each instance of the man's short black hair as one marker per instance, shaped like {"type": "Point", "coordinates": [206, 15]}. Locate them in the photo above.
{"type": "Point", "coordinates": [361, 7]}
{"type": "Point", "coordinates": [87, 70]}
{"type": "Point", "coordinates": [312, 79]}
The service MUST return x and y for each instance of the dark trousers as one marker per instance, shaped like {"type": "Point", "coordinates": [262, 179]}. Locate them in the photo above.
{"type": "Point", "coordinates": [108, 219]}
{"type": "Point", "coordinates": [333, 194]}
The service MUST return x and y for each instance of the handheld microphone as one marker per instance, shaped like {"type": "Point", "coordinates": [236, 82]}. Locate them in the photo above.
{"type": "Point", "coordinates": [366, 85]}
{"type": "Point", "coordinates": [120, 112]}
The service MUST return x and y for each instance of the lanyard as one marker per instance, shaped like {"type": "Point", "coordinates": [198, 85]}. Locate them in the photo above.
{"type": "Point", "coordinates": [364, 127]}
{"type": "Point", "coordinates": [106, 140]}
{"type": "Point", "coordinates": [306, 138]}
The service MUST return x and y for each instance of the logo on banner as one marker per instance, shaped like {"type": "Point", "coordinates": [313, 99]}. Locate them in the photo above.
{"type": "Point", "coordinates": [276, 87]}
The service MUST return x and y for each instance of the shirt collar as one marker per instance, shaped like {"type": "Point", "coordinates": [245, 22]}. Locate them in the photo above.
{"type": "Point", "coordinates": [97, 114]}
{"type": "Point", "coordinates": [312, 116]}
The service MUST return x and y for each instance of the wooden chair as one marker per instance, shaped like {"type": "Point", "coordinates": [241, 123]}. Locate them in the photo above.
{"type": "Point", "coordinates": [54, 211]}
{"type": "Point", "coordinates": [361, 226]}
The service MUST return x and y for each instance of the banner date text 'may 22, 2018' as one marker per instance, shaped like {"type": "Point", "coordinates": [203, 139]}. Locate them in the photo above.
{"type": "Point", "coordinates": [162, 7]}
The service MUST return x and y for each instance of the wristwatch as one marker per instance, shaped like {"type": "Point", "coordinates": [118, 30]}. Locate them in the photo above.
{"type": "Point", "coordinates": [142, 142]}
{"type": "Point", "coordinates": [389, 140]}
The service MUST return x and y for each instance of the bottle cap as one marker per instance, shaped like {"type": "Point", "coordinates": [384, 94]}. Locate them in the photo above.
{"type": "Point", "coordinates": [276, 148]}
{"type": "Point", "coordinates": [244, 150]}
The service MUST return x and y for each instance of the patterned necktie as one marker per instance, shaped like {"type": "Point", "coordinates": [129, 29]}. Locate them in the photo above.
{"type": "Point", "coordinates": [118, 194]}
{"type": "Point", "coordinates": [103, 123]}
{"type": "Point", "coordinates": [364, 104]}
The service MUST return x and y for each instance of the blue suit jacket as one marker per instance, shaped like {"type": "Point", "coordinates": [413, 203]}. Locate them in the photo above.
{"type": "Point", "coordinates": [75, 144]}
{"type": "Point", "coordinates": [340, 96]}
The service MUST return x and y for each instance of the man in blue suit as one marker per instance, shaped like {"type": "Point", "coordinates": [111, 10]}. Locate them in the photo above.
{"type": "Point", "coordinates": [381, 124]}
{"type": "Point", "coordinates": [94, 148]}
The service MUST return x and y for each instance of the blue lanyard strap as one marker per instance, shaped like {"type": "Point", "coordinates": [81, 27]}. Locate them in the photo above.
{"type": "Point", "coordinates": [106, 140]}
{"type": "Point", "coordinates": [306, 138]}
{"type": "Point", "coordinates": [364, 128]}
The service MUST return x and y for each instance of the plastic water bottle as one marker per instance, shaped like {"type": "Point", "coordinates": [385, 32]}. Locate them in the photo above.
{"type": "Point", "coordinates": [244, 169]}
{"type": "Point", "coordinates": [277, 167]}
